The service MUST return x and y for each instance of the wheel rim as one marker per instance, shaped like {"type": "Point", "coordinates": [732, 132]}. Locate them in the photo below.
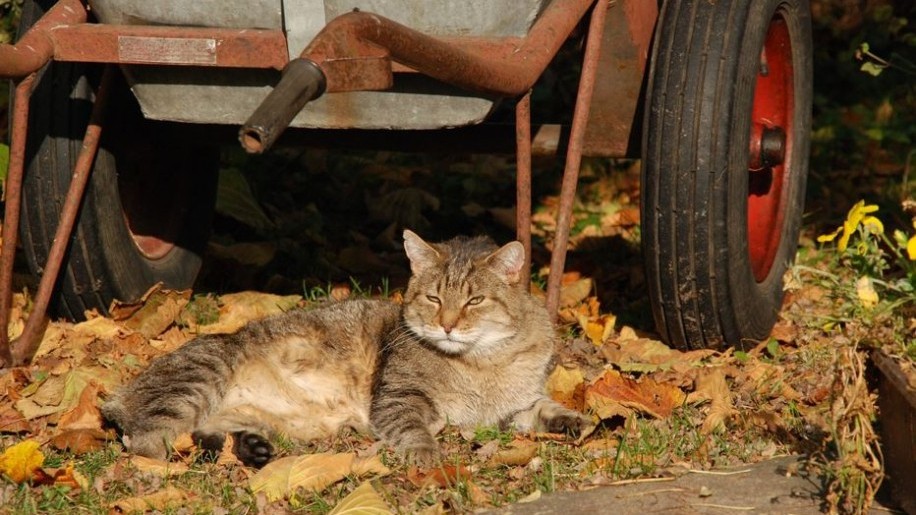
{"type": "Point", "coordinates": [769, 165]}
{"type": "Point", "coordinates": [153, 199]}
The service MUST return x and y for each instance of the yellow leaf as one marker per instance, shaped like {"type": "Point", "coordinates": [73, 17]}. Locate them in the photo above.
{"type": "Point", "coordinates": [911, 248]}
{"type": "Point", "coordinates": [314, 472]}
{"type": "Point", "coordinates": [597, 330]}
{"type": "Point", "coordinates": [154, 501]}
{"type": "Point", "coordinates": [362, 501]}
{"type": "Point", "coordinates": [868, 297]}
{"type": "Point", "coordinates": [20, 461]}
{"type": "Point", "coordinates": [562, 385]}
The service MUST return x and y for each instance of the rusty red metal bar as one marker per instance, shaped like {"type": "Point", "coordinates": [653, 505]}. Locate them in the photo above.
{"type": "Point", "coordinates": [355, 52]}
{"type": "Point", "coordinates": [374, 37]}
{"type": "Point", "coordinates": [574, 155]}
{"type": "Point", "coordinates": [35, 48]}
{"type": "Point", "coordinates": [13, 193]}
{"type": "Point", "coordinates": [177, 46]}
{"type": "Point", "coordinates": [27, 344]}
{"type": "Point", "coordinates": [523, 178]}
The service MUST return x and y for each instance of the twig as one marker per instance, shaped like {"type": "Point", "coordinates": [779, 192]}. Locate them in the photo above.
{"type": "Point", "coordinates": [719, 472]}
{"type": "Point", "coordinates": [644, 480]}
{"type": "Point", "coordinates": [725, 506]}
{"type": "Point", "coordinates": [650, 492]}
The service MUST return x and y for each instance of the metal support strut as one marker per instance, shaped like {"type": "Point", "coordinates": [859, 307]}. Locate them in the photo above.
{"type": "Point", "coordinates": [26, 345]}
{"type": "Point", "coordinates": [574, 155]}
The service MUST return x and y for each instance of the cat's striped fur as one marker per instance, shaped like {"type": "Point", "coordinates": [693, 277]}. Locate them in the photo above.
{"type": "Point", "coordinates": [469, 346]}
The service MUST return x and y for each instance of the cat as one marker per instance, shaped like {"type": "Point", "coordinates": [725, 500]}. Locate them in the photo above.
{"type": "Point", "coordinates": [469, 346]}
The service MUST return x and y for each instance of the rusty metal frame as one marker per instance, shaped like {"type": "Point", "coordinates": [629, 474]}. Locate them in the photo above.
{"type": "Point", "coordinates": [356, 51]}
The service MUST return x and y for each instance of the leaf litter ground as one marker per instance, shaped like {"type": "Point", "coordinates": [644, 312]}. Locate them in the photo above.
{"type": "Point", "coordinates": [329, 230]}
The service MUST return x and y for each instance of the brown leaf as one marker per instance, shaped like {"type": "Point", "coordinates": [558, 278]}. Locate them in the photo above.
{"type": "Point", "coordinates": [443, 476]}
{"type": "Point", "coordinates": [521, 452]}
{"type": "Point", "coordinates": [575, 292]}
{"type": "Point", "coordinates": [237, 309]}
{"type": "Point", "coordinates": [566, 386]}
{"type": "Point", "coordinates": [159, 467]}
{"type": "Point", "coordinates": [86, 413]}
{"type": "Point", "coordinates": [80, 441]}
{"type": "Point", "coordinates": [158, 309]}
{"type": "Point", "coordinates": [630, 353]}
{"type": "Point", "coordinates": [11, 421]}
{"type": "Point", "coordinates": [611, 392]}
{"type": "Point", "coordinates": [712, 386]}
{"type": "Point", "coordinates": [169, 496]}
{"type": "Point", "coordinates": [784, 331]}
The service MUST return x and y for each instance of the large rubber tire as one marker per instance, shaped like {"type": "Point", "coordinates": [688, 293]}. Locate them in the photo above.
{"type": "Point", "coordinates": [720, 219]}
{"type": "Point", "coordinates": [146, 214]}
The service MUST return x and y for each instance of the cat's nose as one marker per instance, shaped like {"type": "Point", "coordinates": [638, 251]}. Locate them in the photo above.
{"type": "Point", "coordinates": [447, 328]}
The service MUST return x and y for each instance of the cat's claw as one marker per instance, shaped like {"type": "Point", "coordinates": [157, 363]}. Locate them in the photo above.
{"type": "Point", "coordinates": [252, 449]}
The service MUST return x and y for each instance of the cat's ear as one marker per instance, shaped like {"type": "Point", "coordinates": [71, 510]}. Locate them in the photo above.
{"type": "Point", "coordinates": [508, 261]}
{"type": "Point", "coordinates": [421, 254]}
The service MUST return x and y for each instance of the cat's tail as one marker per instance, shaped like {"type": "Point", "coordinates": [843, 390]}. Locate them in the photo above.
{"type": "Point", "coordinates": [174, 395]}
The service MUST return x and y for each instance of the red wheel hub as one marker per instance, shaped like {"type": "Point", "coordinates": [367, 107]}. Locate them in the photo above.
{"type": "Point", "coordinates": [154, 199]}
{"type": "Point", "coordinates": [770, 147]}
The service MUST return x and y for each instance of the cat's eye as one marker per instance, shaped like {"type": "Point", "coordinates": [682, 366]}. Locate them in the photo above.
{"type": "Point", "coordinates": [475, 300]}
{"type": "Point", "coordinates": [433, 299]}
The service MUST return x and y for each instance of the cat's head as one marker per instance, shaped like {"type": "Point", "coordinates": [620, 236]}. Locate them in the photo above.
{"type": "Point", "coordinates": [466, 296]}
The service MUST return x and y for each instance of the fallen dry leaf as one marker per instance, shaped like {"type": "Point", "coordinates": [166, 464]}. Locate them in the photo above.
{"type": "Point", "coordinates": [65, 476]}
{"type": "Point", "coordinates": [86, 413]}
{"type": "Point", "coordinates": [520, 452]}
{"type": "Point", "coordinates": [159, 467]}
{"type": "Point", "coordinates": [364, 500]}
{"type": "Point", "coordinates": [19, 462]}
{"type": "Point", "coordinates": [566, 386]}
{"type": "Point", "coordinates": [169, 496]}
{"type": "Point", "coordinates": [237, 309]}
{"type": "Point", "coordinates": [11, 421]}
{"type": "Point", "coordinates": [157, 311]}
{"type": "Point", "coordinates": [614, 395]}
{"type": "Point", "coordinates": [631, 353]}
{"type": "Point", "coordinates": [711, 386]}
{"type": "Point", "coordinates": [599, 329]}
{"type": "Point", "coordinates": [575, 292]}
{"type": "Point", "coordinates": [314, 472]}
{"type": "Point", "coordinates": [442, 476]}
{"type": "Point", "coordinates": [80, 441]}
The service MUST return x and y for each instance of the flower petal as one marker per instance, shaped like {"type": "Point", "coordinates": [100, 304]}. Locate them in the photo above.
{"type": "Point", "coordinates": [823, 238]}
{"type": "Point", "coordinates": [873, 225]}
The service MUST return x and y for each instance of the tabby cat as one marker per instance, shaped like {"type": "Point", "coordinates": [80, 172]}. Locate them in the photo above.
{"type": "Point", "coordinates": [469, 346]}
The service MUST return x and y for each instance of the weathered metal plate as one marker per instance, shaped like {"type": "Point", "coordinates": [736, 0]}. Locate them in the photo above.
{"type": "Point", "coordinates": [227, 97]}
{"type": "Point", "coordinates": [614, 118]}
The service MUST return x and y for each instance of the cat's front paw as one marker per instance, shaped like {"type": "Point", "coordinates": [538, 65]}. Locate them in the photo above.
{"type": "Point", "coordinates": [423, 455]}
{"type": "Point", "coordinates": [570, 423]}
{"type": "Point", "coordinates": [210, 444]}
{"type": "Point", "coordinates": [252, 449]}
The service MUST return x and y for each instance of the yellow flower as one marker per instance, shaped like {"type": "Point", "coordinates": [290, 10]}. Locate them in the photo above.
{"type": "Point", "coordinates": [859, 214]}
{"type": "Point", "coordinates": [911, 245]}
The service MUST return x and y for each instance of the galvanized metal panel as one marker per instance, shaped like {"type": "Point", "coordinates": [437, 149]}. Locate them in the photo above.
{"type": "Point", "coordinates": [229, 97]}
{"type": "Point", "coordinates": [239, 14]}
